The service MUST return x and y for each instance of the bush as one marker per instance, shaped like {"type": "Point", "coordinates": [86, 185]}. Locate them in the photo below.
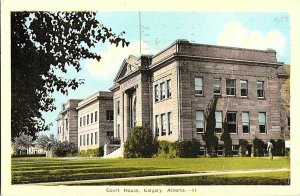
{"type": "Point", "coordinates": [166, 150]}
{"type": "Point", "coordinates": [96, 152]}
{"type": "Point", "coordinates": [187, 149]}
{"type": "Point", "coordinates": [140, 144]}
{"type": "Point", "coordinates": [28, 155]}
{"type": "Point", "coordinates": [279, 148]}
{"type": "Point", "coordinates": [63, 149]}
{"type": "Point", "coordinates": [243, 147]}
{"type": "Point", "coordinates": [259, 147]}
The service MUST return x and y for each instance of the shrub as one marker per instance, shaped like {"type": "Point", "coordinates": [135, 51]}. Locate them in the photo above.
{"type": "Point", "coordinates": [63, 149]}
{"type": "Point", "coordinates": [28, 155]}
{"type": "Point", "coordinates": [259, 147]}
{"type": "Point", "coordinates": [96, 152]}
{"type": "Point", "coordinates": [166, 150]}
{"type": "Point", "coordinates": [243, 147]}
{"type": "Point", "coordinates": [187, 149]}
{"type": "Point", "coordinates": [140, 143]}
{"type": "Point", "coordinates": [279, 148]}
{"type": "Point", "coordinates": [225, 137]}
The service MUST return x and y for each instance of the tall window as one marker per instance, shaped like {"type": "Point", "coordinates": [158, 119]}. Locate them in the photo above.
{"type": "Point", "coordinates": [156, 92]}
{"type": "Point", "coordinates": [198, 86]}
{"type": "Point", "coordinates": [169, 91]}
{"type": "Point", "coordinates": [163, 124]}
{"type": "Point", "coordinates": [244, 88]}
{"type": "Point", "coordinates": [200, 121]}
{"type": "Point", "coordinates": [84, 121]}
{"type": "Point", "coordinates": [109, 115]}
{"type": "Point", "coordinates": [218, 116]}
{"type": "Point", "coordinates": [92, 117]}
{"type": "Point", "coordinates": [217, 86]}
{"type": "Point", "coordinates": [67, 124]}
{"type": "Point", "coordinates": [262, 122]}
{"type": "Point", "coordinates": [231, 122]}
{"type": "Point", "coordinates": [84, 139]}
{"type": "Point", "coordinates": [80, 140]}
{"type": "Point", "coordinates": [96, 117]}
{"type": "Point", "coordinates": [118, 107]}
{"type": "Point", "coordinates": [157, 125]}
{"type": "Point", "coordinates": [162, 90]}
{"type": "Point", "coordinates": [230, 87]}
{"type": "Point", "coordinates": [80, 123]}
{"type": "Point", "coordinates": [118, 131]}
{"type": "Point", "coordinates": [96, 137]}
{"type": "Point", "coordinates": [170, 123]}
{"type": "Point", "coordinates": [87, 139]}
{"type": "Point", "coordinates": [92, 138]}
{"type": "Point", "coordinates": [134, 112]}
{"type": "Point", "coordinates": [87, 119]}
{"type": "Point", "coordinates": [260, 89]}
{"type": "Point", "coordinates": [245, 122]}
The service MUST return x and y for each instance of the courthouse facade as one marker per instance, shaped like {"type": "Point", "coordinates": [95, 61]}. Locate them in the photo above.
{"type": "Point", "coordinates": [170, 91]}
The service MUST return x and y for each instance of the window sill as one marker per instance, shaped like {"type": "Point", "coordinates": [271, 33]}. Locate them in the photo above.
{"type": "Point", "coordinates": [261, 98]}
{"type": "Point", "coordinates": [198, 95]}
{"type": "Point", "coordinates": [200, 132]}
{"type": "Point", "coordinates": [230, 95]}
{"type": "Point", "coordinates": [163, 100]}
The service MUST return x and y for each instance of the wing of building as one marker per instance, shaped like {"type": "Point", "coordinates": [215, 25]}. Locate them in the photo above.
{"type": "Point", "coordinates": [170, 91]}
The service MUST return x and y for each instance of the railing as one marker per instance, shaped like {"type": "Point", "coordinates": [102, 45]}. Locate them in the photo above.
{"type": "Point", "coordinates": [113, 140]}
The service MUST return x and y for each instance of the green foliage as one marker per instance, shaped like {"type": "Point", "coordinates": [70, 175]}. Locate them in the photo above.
{"type": "Point", "coordinates": [259, 147]}
{"type": "Point", "coordinates": [42, 44]}
{"type": "Point", "coordinates": [187, 149]}
{"type": "Point", "coordinates": [140, 143]}
{"type": "Point", "coordinates": [243, 147]}
{"type": "Point", "coordinates": [225, 137]}
{"type": "Point", "coordinates": [278, 147]}
{"type": "Point", "coordinates": [45, 142]}
{"type": "Point", "coordinates": [211, 140]}
{"type": "Point", "coordinates": [22, 142]}
{"type": "Point", "coordinates": [28, 155]}
{"type": "Point", "coordinates": [64, 149]}
{"type": "Point", "coordinates": [166, 149]}
{"type": "Point", "coordinates": [96, 152]}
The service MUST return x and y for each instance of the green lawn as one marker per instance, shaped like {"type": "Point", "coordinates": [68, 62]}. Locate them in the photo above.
{"type": "Point", "coordinates": [32, 170]}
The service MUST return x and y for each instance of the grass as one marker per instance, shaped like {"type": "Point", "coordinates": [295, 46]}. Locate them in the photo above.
{"type": "Point", "coordinates": [33, 170]}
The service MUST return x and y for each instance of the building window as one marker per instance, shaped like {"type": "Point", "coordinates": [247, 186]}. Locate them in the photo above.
{"type": "Point", "coordinates": [80, 123]}
{"type": "Point", "coordinates": [220, 151]}
{"type": "Point", "coordinates": [96, 117]}
{"type": "Point", "coordinates": [84, 139]}
{"type": "Point", "coordinates": [109, 115]}
{"type": "Point", "coordinates": [67, 124]}
{"type": "Point", "coordinates": [92, 138]}
{"type": "Point", "coordinates": [96, 137]}
{"type": "Point", "coordinates": [80, 140]}
{"type": "Point", "coordinates": [235, 150]}
{"type": "Point", "coordinates": [231, 122]}
{"type": "Point", "coordinates": [118, 107]}
{"type": "Point", "coordinates": [87, 119]}
{"type": "Point", "coordinates": [169, 91]}
{"type": "Point", "coordinates": [170, 123]}
{"type": "Point", "coordinates": [217, 86]}
{"type": "Point", "coordinates": [163, 124]}
{"type": "Point", "coordinates": [87, 139]}
{"type": "Point", "coordinates": [244, 88]}
{"type": "Point", "coordinates": [162, 90]}
{"type": "Point", "coordinates": [118, 131]}
{"type": "Point", "coordinates": [92, 118]}
{"type": "Point", "coordinates": [262, 122]}
{"type": "Point", "coordinates": [157, 125]}
{"type": "Point", "coordinates": [230, 87]}
{"type": "Point", "coordinates": [245, 122]}
{"type": "Point", "coordinates": [219, 124]}
{"type": "Point", "coordinates": [133, 114]}
{"type": "Point", "coordinates": [84, 121]}
{"type": "Point", "coordinates": [198, 86]}
{"type": "Point", "coordinates": [202, 151]}
{"type": "Point", "coordinates": [156, 92]}
{"type": "Point", "coordinates": [260, 89]}
{"type": "Point", "coordinates": [200, 121]}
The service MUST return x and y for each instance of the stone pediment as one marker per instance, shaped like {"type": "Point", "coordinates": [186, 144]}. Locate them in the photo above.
{"type": "Point", "coordinates": [129, 65]}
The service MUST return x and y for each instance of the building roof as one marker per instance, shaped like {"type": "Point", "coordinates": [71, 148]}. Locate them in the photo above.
{"type": "Point", "coordinates": [95, 97]}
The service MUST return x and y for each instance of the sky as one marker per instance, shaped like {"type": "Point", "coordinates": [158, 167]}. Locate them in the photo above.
{"type": "Point", "coordinates": [159, 30]}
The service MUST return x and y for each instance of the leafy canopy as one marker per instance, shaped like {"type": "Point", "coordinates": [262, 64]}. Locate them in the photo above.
{"type": "Point", "coordinates": [41, 44]}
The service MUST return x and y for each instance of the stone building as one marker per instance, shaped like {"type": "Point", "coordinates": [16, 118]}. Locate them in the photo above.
{"type": "Point", "coordinates": [67, 129]}
{"type": "Point", "coordinates": [95, 120]}
{"type": "Point", "coordinates": [170, 91]}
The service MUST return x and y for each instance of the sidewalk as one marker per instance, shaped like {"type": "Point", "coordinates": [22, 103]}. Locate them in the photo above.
{"type": "Point", "coordinates": [206, 173]}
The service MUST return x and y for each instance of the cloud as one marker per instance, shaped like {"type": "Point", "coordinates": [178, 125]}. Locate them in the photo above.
{"type": "Point", "coordinates": [237, 35]}
{"type": "Point", "coordinates": [111, 60]}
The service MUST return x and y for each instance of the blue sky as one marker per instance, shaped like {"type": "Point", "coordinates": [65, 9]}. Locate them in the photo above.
{"type": "Point", "coordinates": [160, 29]}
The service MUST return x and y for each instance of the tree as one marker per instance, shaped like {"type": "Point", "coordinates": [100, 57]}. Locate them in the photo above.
{"type": "Point", "coordinates": [23, 142]}
{"type": "Point", "coordinates": [211, 140]}
{"type": "Point", "coordinates": [140, 143]}
{"type": "Point", "coordinates": [44, 142]}
{"type": "Point", "coordinates": [225, 137]}
{"type": "Point", "coordinates": [43, 43]}
{"type": "Point", "coordinates": [63, 149]}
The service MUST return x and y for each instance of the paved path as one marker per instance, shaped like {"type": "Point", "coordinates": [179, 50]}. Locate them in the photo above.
{"type": "Point", "coordinates": [206, 173]}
